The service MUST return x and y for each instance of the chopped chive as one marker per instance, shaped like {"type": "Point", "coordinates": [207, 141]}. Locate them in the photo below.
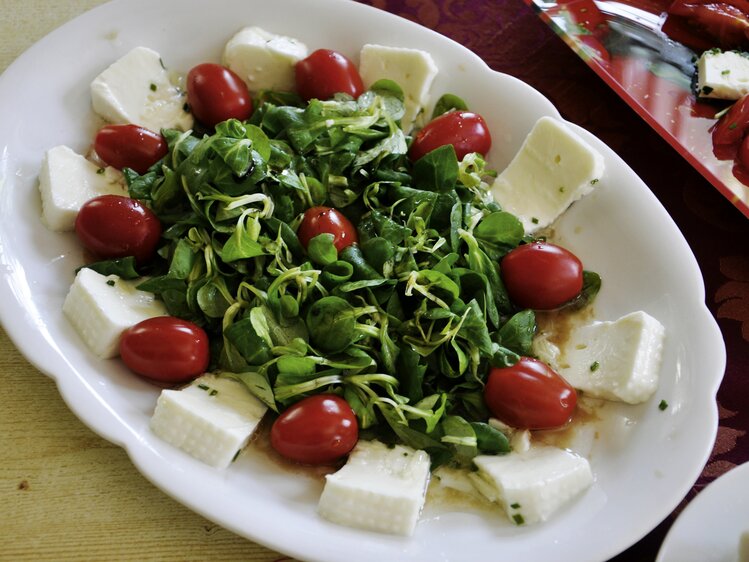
{"type": "Point", "coordinates": [202, 387]}
{"type": "Point", "coordinates": [100, 171]}
{"type": "Point", "coordinates": [153, 87]}
{"type": "Point", "coordinates": [213, 392]}
{"type": "Point", "coordinates": [518, 519]}
{"type": "Point", "coordinates": [236, 455]}
{"type": "Point", "coordinates": [663, 405]}
{"type": "Point", "coordinates": [725, 73]}
{"type": "Point", "coordinates": [594, 181]}
{"type": "Point", "coordinates": [722, 112]}
{"type": "Point", "coordinates": [561, 189]}
{"type": "Point", "coordinates": [732, 126]}
{"type": "Point", "coordinates": [594, 366]}
{"type": "Point", "coordinates": [516, 505]}
{"type": "Point", "coordinates": [534, 220]}
{"type": "Point", "coordinates": [110, 282]}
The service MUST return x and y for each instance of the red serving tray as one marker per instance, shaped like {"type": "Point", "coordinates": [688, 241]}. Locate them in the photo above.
{"type": "Point", "coordinates": [624, 43]}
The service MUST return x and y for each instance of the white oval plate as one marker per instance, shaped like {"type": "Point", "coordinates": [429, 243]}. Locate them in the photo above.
{"type": "Point", "coordinates": [710, 527]}
{"type": "Point", "coordinates": [646, 459]}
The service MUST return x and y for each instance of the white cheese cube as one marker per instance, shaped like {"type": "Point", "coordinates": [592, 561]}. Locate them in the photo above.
{"type": "Point", "coordinates": [553, 169]}
{"type": "Point", "coordinates": [723, 75]}
{"type": "Point", "coordinates": [67, 180]}
{"type": "Point", "coordinates": [264, 60]}
{"type": "Point", "coordinates": [137, 89]}
{"type": "Point", "coordinates": [412, 69]}
{"type": "Point", "coordinates": [379, 489]}
{"type": "Point", "coordinates": [532, 485]}
{"type": "Point", "coordinates": [212, 419]}
{"type": "Point", "coordinates": [101, 307]}
{"type": "Point", "coordinates": [617, 360]}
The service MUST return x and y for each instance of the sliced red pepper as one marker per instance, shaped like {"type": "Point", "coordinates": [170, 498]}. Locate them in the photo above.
{"type": "Point", "coordinates": [710, 23]}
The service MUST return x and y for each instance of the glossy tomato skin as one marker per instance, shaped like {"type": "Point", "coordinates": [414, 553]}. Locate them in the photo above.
{"type": "Point", "coordinates": [166, 349]}
{"type": "Point", "coordinates": [466, 131]}
{"type": "Point", "coordinates": [541, 276]}
{"type": "Point", "coordinates": [325, 73]}
{"type": "Point", "coordinates": [743, 156]}
{"type": "Point", "coordinates": [113, 226]}
{"type": "Point", "coordinates": [216, 94]}
{"type": "Point", "coordinates": [318, 429]}
{"type": "Point", "coordinates": [702, 25]}
{"type": "Point", "coordinates": [129, 146]}
{"type": "Point", "coordinates": [321, 220]}
{"type": "Point", "coordinates": [529, 395]}
{"type": "Point", "coordinates": [731, 130]}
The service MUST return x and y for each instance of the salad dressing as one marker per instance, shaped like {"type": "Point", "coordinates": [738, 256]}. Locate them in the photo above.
{"type": "Point", "coordinates": [557, 326]}
{"type": "Point", "coordinates": [260, 441]}
{"type": "Point", "coordinates": [443, 499]}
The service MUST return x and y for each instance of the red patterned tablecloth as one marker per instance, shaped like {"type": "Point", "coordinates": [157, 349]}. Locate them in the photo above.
{"type": "Point", "coordinates": [510, 38]}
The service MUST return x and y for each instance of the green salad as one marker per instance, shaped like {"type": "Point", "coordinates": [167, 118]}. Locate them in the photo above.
{"type": "Point", "coordinates": [405, 324]}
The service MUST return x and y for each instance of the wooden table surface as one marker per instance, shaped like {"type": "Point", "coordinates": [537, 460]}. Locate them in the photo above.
{"type": "Point", "coordinates": [66, 493]}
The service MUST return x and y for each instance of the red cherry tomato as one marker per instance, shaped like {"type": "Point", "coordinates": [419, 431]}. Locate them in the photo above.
{"type": "Point", "coordinates": [316, 430]}
{"type": "Point", "coordinates": [325, 73]}
{"type": "Point", "coordinates": [743, 156]}
{"type": "Point", "coordinates": [529, 395]}
{"type": "Point", "coordinates": [166, 349]}
{"type": "Point", "coordinates": [702, 25]}
{"type": "Point", "coordinates": [129, 146]}
{"type": "Point", "coordinates": [731, 130]}
{"type": "Point", "coordinates": [216, 94]}
{"type": "Point", "coordinates": [541, 276]}
{"type": "Point", "coordinates": [113, 226]}
{"type": "Point", "coordinates": [321, 220]}
{"type": "Point", "coordinates": [466, 131]}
